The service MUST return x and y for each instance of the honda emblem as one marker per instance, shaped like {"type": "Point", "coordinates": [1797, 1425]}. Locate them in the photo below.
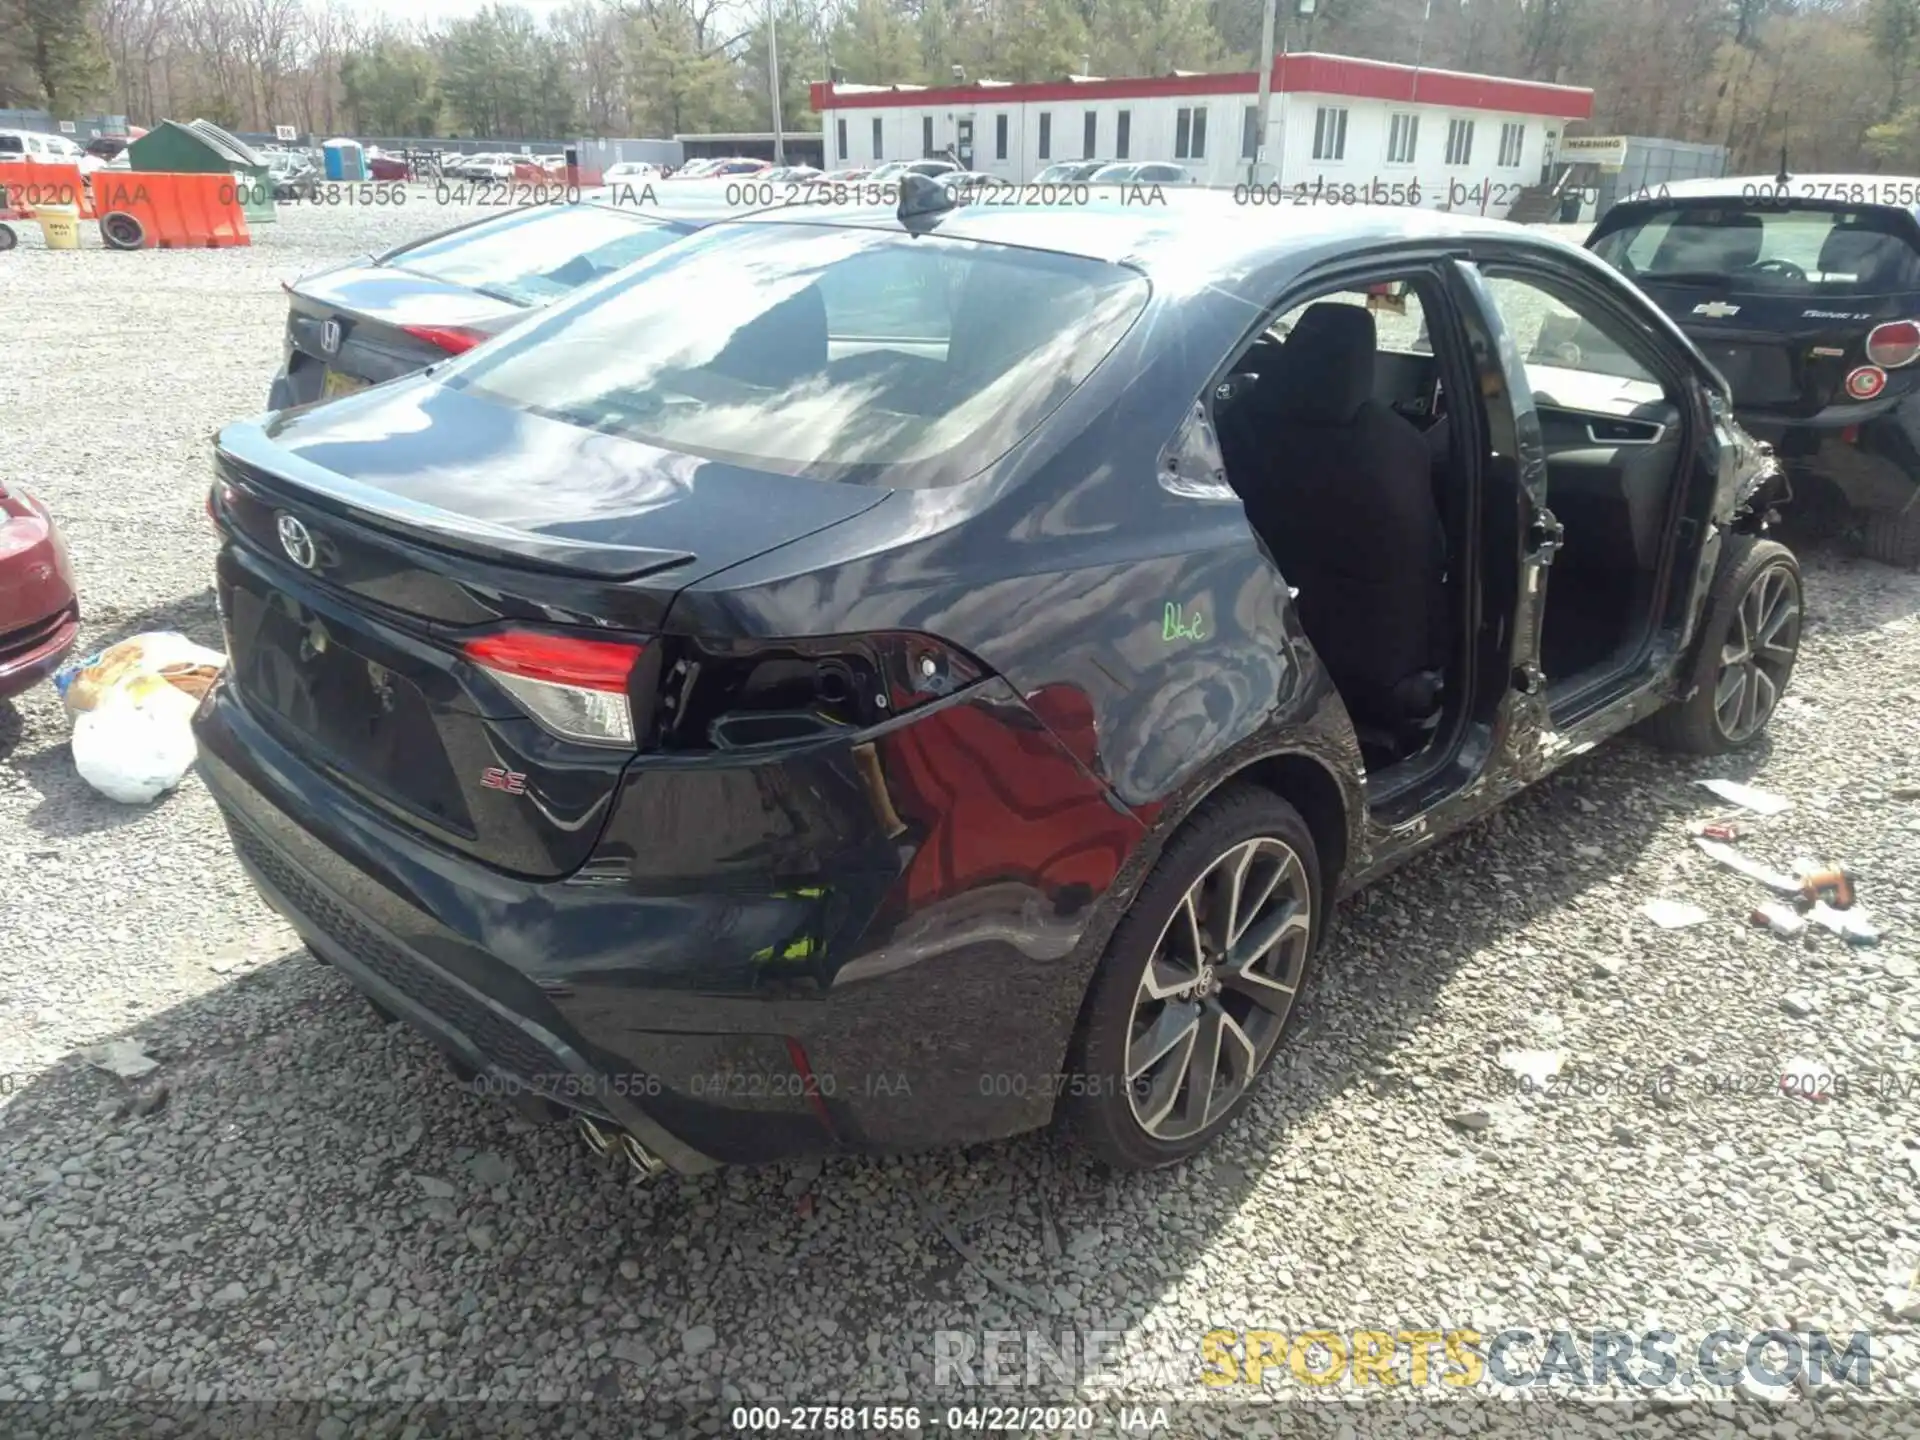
{"type": "Point", "coordinates": [330, 337]}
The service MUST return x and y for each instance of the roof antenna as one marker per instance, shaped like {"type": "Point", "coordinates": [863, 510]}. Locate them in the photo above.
{"type": "Point", "coordinates": [1783, 177]}
{"type": "Point", "coordinates": [923, 200]}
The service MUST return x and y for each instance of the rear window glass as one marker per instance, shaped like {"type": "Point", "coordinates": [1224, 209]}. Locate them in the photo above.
{"type": "Point", "coordinates": [830, 352]}
{"type": "Point", "coordinates": [1790, 249]}
{"type": "Point", "coordinates": [536, 256]}
{"type": "Point", "coordinates": [12, 145]}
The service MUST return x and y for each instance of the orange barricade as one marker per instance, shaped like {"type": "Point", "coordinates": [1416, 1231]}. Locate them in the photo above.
{"type": "Point", "coordinates": [31, 182]}
{"type": "Point", "coordinates": [170, 211]}
{"type": "Point", "coordinates": [529, 174]}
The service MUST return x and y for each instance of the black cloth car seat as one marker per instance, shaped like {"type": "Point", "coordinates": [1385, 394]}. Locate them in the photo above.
{"type": "Point", "coordinates": [1342, 494]}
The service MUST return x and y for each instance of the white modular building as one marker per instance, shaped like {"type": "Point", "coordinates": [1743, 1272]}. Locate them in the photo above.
{"type": "Point", "coordinates": [1457, 140]}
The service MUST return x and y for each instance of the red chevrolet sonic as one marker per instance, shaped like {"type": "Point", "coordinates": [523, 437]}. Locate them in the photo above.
{"type": "Point", "coordinates": [39, 608]}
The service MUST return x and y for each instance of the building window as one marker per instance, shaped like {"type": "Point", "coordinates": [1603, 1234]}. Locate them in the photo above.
{"type": "Point", "coordinates": [1459, 142]}
{"type": "Point", "coordinates": [926, 136]}
{"type": "Point", "coordinates": [840, 131]}
{"type": "Point", "coordinates": [1513, 138]}
{"type": "Point", "coordinates": [1190, 134]}
{"type": "Point", "coordinates": [1403, 139]}
{"type": "Point", "coordinates": [999, 137]}
{"type": "Point", "coordinates": [876, 137]}
{"type": "Point", "coordinates": [1046, 135]}
{"type": "Point", "coordinates": [1090, 138]}
{"type": "Point", "coordinates": [1122, 133]}
{"type": "Point", "coordinates": [1250, 133]}
{"type": "Point", "coordinates": [1330, 133]}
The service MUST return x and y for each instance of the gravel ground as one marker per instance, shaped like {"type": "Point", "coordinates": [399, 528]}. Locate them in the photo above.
{"type": "Point", "coordinates": [302, 1205]}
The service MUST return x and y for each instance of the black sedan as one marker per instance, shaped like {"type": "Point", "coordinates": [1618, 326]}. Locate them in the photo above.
{"type": "Point", "coordinates": [1805, 291]}
{"type": "Point", "coordinates": [874, 679]}
{"type": "Point", "coordinates": [387, 315]}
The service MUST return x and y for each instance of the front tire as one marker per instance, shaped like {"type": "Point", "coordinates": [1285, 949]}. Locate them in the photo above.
{"type": "Point", "coordinates": [1749, 640]}
{"type": "Point", "coordinates": [1197, 989]}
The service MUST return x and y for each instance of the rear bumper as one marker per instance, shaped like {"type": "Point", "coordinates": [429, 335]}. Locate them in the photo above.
{"type": "Point", "coordinates": [688, 1013]}
{"type": "Point", "coordinates": [39, 614]}
{"type": "Point", "coordinates": [1874, 463]}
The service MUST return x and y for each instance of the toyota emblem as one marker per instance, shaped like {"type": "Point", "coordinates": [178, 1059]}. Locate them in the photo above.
{"type": "Point", "coordinates": [297, 541]}
{"type": "Point", "coordinates": [330, 337]}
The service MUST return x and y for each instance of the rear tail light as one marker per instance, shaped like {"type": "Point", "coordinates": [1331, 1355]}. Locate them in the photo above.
{"type": "Point", "coordinates": [1866, 382]}
{"type": "Point", "coordinates": [454, 339]}
{"type": "Point", "coordinates": [574, 687]}
{"type": "Point", "coordinates": [1894, 344]}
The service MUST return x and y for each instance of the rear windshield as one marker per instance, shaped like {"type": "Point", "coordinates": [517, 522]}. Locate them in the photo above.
{"type": "Point", "coordinates": [1789, 249]}
{"type": "Point", "coordinates": [536, 256]}
{"type": "Point", "coordinates": [12, 145]}
{"type": "Point", "coordinates": [830, 352]}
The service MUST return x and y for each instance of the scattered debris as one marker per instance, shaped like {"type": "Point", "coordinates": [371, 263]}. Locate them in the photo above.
{"type": "Point", "coordinates": [1805, 1079]}
{"type": "Point", "coordinates": [1536, 1068]}
{"type": "Point", "coordinates": [1832, 884]}
{"type": "Point", "coordinates": [1779, 919]}
{"type": "Point", "coordinates": [134, 702]}
{"type": "Point", "coordinates": [991, 1275]}
{"type": "Point", "coordinates": [124, 1058]}
{"type": "Point", "coordinates": [1850, 925]}
{"type": "Point", "coordinates": [1049, 1236]}
{"type": "Point", "coordinates": [1673, 914]}
{"type": "Point", "coordinates": [1761, 802]}
{"type": "Point", "coordinates": [153, 1100]}
{"type": "Point", "coordinates": [1717, 830]}
{"type": "Point", "coordinates": [1726, 855]}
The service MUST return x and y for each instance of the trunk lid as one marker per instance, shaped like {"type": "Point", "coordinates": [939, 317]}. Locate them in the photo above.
{"type": "Point", "coordinates": [371, 307]}
{"type": "Point", "coordinates": [1786, 358]}
{"type": "Point", "coordinates": [430, 516]}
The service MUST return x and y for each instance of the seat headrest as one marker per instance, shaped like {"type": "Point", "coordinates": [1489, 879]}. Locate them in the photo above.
{"type": "Point", "coordinates": [1859, 251]}
{"type": "Point", "coordinates": [778, 346]}
{"type": "Point", "coordinates": [1694, 245]}
{"type": "Point", "coordinates": [1326, 370]}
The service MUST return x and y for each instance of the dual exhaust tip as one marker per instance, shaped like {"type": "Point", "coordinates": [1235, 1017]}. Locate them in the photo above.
{"type": "Point", "coordinates": [616, 1146]}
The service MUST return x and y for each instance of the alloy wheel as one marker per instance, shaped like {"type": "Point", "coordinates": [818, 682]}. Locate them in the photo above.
{"type": "Point", "coordinates": [1217, 988]}
{"type": "Point", "coordinates": [1758, 654]}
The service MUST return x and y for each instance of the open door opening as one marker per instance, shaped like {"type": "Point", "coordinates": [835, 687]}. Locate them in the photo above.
{"type": "Point", "coordinates": [1331, 427]}
{"type": "Point", "coordinates": [1615, 440]}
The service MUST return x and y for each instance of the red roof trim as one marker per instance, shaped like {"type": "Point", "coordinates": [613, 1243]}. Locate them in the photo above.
{"type": "Point", "coordinates": [1296, 74]}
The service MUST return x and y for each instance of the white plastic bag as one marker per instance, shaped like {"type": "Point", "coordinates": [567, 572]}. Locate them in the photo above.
{"type": "Point", "coordinates": [137, 743]}
{"type": "Point", "coordinates": [83, 684]}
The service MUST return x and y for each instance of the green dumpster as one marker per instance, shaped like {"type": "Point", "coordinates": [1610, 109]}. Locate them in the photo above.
{"type": "Point", "coordinates": [203, 148]}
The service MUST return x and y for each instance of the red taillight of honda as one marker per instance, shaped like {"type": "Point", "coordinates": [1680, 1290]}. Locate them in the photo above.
{"type": "Point", "coordinates": [573, 686]}
{"type": "Point", "coordinates": [454, 339]}
{"type": "Point", "coordinates": [1894, 344]}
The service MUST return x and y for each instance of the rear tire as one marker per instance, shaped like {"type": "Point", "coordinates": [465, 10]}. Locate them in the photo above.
{"type": "Point", "coordinates": [1186, 1010]}
{"type": "Point", "coordinates": [1893, 537]}
{"type": "Point", "coordinates": [1749, 640]}
{"type": "Point", "coordinates": [7, 238]}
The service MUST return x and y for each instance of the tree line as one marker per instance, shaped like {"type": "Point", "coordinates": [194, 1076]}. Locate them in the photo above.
{"type": "Point", "coordinates": [1832, 82]}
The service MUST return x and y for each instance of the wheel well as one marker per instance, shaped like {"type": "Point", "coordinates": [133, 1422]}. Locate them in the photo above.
{"type": "Point", "coordinates": [1310, 788]}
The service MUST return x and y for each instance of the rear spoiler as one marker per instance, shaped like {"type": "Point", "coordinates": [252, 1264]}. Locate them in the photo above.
{"type": "Point", "coordinates": [245, 456]}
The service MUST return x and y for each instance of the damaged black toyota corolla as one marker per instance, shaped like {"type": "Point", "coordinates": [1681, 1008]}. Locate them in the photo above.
{"type": "Point", "coordinates": [834, 686]}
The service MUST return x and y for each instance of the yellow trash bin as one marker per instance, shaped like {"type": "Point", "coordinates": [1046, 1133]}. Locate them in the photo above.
{"type": "Point", "coordinates": [60, 224]}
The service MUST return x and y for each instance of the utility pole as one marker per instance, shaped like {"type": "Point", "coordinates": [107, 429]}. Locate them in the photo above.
{"type": "Point", "coordinates": [1265, 107]}
{"type": "Point", "coordinates": [773, 84]}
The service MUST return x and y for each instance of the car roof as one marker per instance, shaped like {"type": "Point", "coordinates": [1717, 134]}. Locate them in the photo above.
{"type": "Point", "coordinates": [1205, 235]}
{"type": "Point", "coordinates": [1772, 188]}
